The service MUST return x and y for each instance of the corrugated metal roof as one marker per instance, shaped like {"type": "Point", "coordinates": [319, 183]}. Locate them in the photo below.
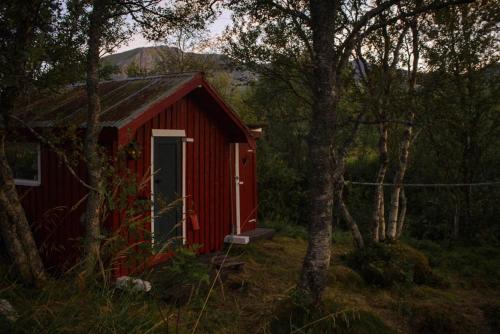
{"type": "Point", "coordinates": [121, 100]}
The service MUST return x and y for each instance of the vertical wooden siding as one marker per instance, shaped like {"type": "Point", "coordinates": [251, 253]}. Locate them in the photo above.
{"type": "Point", "coordinates": [55, 210]}
{"type": "Point", "coordinates": [207, 172]}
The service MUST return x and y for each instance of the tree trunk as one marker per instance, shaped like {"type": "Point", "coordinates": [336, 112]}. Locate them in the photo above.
{"type": "Point", "coordinates": [16, 230]}
{"type": "Point", "coordinates": [407, 135]}
{"type": "Point", "coordinates": [92, 154]}
{"type": "Point", "coordinates": [14, 248]}
{"type": "Point", "coordinates": [378, 216]}
{"type": "Point", "coordinates": [456, 221]}
{"type": "Point", "coordinates": [402, 215]}
{"type": "Point", "coordinates": [14, 226]}
{"type": "Point", "coordinates": [398, 180]}
{"type": "Point", "coordinates": [317, 260]}
{"type": "Point", "coordinates": [346, 215]}
{"type": "Point", "coordinates": [382, 224]}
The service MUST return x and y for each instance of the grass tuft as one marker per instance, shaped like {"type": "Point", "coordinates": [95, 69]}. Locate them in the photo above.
{"type": "Point", "coordinates": [293, 316]}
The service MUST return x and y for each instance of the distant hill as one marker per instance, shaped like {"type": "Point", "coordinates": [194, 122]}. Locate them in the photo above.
{"type": "Point", "coordinates": [163, 59]}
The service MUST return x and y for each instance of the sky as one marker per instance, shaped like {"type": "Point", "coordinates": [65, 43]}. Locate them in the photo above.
{"type": "Point", "coordinates": [215, 29]}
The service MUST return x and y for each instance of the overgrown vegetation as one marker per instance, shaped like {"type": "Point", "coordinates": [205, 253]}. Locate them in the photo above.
{"type": "Point", "coordinates": [387, 265]}
{"type": "Point", "coordinates": [407, 96]}
{"type": "Point", "coordinates": [260, 299]}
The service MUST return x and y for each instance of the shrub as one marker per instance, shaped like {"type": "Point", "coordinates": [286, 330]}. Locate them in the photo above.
{"type": "Point", "coordinates": [476, 266]}
{"type": "Point", "coordinates": [387, 265]}
{"type": "Point", "coordinates": [438, 318]}
{"type": "Point", "coordinates": [178, 280]}
{"type": "Point", "coordinates": [294, 315]}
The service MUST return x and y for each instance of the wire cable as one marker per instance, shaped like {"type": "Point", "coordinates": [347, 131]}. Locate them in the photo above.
{"type": "Point", "coordinates": [428, 185]}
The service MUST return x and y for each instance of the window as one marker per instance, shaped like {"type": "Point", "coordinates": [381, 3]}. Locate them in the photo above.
{"type": "Point", "coordinates": [24, 160]}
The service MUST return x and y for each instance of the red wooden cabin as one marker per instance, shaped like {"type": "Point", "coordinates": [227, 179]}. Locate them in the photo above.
{"type": "Point", "coordinates": [196, 145]}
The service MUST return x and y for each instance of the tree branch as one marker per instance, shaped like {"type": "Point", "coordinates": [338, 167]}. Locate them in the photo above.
{"type": "Point", "coordinates": [59, 153]}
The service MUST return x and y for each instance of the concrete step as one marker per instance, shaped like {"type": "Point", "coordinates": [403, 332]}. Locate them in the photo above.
{"type": "Point", "coordinates": [250, 236]}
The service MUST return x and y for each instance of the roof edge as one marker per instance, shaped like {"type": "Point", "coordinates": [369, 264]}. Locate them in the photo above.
{"type": "Point", "coordinates": [229, 111]}
{"type": "Point", "coordinates": [198, 80]}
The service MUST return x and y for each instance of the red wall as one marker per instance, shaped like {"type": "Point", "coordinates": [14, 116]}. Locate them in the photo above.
{"type": "Point", "coordinates": [56, 207]}
{"type": "Point", "coordinates": [207, 169]}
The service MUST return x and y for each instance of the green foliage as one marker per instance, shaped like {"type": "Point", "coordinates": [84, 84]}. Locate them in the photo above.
{"type": "Point", "coordinates": [477, 266]}
{"type": "Point", "coordinates": [388, 265]}
{"type": "Point", "coordinates": [295, 315]}
{"type": "Point", "coordinates": [282, 151]}
{"type": "Point", "coordinates": [256, 300]}
{"type": "Point", "coordinates": [61, 306]}
{"type": "Point", "coordinates": [285, 229]}
{"type": "Point", "coordinates": [181, 278]}
{"type": "Point", "coordinates": [431, 318]}
{"type": "Point", "coordinates": [234, 93]}
{"type": "Point", "coordinates": [460, 122]}
{"type": "Point", "coordinates": [106, 71]}
{"type": "Point", "coordinates": [134, 70]}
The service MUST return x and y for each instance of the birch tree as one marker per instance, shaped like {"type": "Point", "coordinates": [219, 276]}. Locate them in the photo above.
{"type": "Point", "coordinates": [23, 25]}
{"type": "Point", "coordinates": [395, 216]}
{"type": "Point", "coordinates": [326, 33]}
{"type": "Point", "coordinates": [111, 23]}
{"type": "Point", "coordinates": [461, 123]}
{"type": "Point", "coordinates": [379, 56]}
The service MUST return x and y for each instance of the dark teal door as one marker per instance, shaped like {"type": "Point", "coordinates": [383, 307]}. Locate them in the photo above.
{"type": "Point", "coordinates": [167, 191]}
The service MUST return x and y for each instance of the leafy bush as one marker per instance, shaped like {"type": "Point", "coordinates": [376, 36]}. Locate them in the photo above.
{"type": "Point", "coordinates": [476, 266]}
{"type": "Point", "coordinates": [387, 265]}
{"type": "Point", "coordinates": [180, 278]}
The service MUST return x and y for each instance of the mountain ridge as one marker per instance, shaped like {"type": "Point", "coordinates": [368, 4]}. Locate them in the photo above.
{"type": "Point", "coordinates": [163, 59]}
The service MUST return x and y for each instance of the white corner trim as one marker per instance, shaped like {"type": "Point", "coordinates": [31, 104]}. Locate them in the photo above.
{"type": "Point", "coordinates": [151, 177]}
{"type": "Point", "coordinates": [168, 133]}
{"type": "Point", "coordinates": [184, 216]}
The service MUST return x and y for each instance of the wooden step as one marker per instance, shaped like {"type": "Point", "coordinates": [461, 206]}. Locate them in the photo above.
{"type": "Point", "coordinates": [223, 262]}
{"type": "Point", "coordinates": [250, 236]}
{"type": "Point", "coordinates": [259, 233]}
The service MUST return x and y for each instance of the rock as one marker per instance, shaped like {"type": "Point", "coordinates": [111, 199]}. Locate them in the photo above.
{"type": "Point", "coordinates": [134, 284]}
{"type": "Point", "coordinates": [8, 311]}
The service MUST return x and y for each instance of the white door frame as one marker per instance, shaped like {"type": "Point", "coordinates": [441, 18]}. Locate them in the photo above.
{"type": "Point", "coordinates": [178, 134]}
{"type": "Point", "coordinates": [237, 186]}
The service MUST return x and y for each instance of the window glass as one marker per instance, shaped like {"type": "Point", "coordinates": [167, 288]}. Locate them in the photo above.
{"type": "Point", "coordinates": [24, 162]}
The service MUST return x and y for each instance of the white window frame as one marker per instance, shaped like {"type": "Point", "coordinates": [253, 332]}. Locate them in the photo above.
{"type": "Point", "coordinates": [175, 134]}
{"type": "Point", "coordinates": [33, 183]}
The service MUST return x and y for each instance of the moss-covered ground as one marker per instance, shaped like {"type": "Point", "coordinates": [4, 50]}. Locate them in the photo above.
{"type": "Point", "coordinates": [260, 298]}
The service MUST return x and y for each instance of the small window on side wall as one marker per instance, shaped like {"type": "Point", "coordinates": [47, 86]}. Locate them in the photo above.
{"type": "Point", "coordinates": [24, 160]}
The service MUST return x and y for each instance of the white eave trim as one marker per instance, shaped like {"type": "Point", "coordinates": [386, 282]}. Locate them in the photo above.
{"type": "Point", "coordinates": [168, 133]}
